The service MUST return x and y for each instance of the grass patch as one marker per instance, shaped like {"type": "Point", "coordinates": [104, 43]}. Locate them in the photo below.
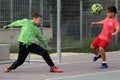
{"type": "Point", "coordinates": [113, 47]}
{"type": "Point", "coordinates": [14, 48]}
{"type": "Point", "coordinates": [86, 47]}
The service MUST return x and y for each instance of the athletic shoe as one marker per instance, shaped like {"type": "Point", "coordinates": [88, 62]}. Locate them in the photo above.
{"type": "Point", "coordinates": [104, 66]}
{"type": "Point", "coordinates": [56, 70]}
{"type": "Point", "coordinates": [96, 58]}
{"type": "Point", "coordinates": [7, 70]}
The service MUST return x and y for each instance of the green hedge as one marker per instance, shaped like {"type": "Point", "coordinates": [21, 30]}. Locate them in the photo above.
{"type": "Point", "coordinates": [84, 49]}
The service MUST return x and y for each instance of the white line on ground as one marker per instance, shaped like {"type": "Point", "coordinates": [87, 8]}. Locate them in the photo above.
{"type": "Point", "coordinates": [84, 75]}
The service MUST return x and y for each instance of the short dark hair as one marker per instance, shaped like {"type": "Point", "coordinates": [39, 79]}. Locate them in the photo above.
{"type": "Point", "coordinates": [36, 15]}
{"type": "Point", "coordinates": [112, 9]}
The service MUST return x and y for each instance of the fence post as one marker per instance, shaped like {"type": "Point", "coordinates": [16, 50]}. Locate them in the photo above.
{"type": "Point", "coordinates": [81, 25]}
{"type": "Point", "coordinates": [116, 37]}
{"type": "Point", "coordinates": [11, 10]}
{"type": "Point", "coordinates": [59, 30]}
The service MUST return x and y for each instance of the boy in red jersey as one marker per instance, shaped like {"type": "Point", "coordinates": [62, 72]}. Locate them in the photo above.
{"type": "Point", "coordinates": [111, 27]}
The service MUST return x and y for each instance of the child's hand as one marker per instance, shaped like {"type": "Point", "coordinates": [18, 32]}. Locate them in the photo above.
{"type": "Point", "coordinates": [46, 45]}
{"type": "Point", "coordinates": [93, 24]}
{"type": "Point", "coordinates": [5, 27]}
{"type": "Point", "coordinates": [113, 34]}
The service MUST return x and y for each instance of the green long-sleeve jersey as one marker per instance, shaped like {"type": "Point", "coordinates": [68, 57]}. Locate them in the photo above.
{"type": "Point", "coordinates": [29, 31]}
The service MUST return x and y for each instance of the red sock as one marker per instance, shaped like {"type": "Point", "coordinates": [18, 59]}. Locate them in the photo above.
{"type": "Point", "coordinates": [52, 66]}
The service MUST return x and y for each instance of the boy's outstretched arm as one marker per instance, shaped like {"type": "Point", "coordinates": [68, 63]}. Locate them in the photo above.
{"type": "Point", "coordinates": [17, 23]}
{"type": "Point", "coordinates": [97, 23]}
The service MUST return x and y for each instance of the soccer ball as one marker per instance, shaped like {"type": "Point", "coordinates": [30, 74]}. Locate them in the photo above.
{"type": "Point", "coordinates": [96, 9]}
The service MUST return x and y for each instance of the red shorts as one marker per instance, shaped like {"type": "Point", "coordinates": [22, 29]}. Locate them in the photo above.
{"type": "Point", "coordinates": [100, 43]}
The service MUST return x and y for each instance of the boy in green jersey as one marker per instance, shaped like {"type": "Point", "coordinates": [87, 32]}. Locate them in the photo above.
{"type": "Point", "coordinates": [30, 31]}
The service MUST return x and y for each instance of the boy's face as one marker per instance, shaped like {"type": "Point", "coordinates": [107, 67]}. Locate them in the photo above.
{"type": "Point", "coordinates": [37, 20]}
{"type": "Point", "coordinates": [110, 14]}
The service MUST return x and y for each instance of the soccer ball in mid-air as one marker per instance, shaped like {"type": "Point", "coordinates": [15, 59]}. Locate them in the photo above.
{"type": "Point", "coordinates": [96, 9]}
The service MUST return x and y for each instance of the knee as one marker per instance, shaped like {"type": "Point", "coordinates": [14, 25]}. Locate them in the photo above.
{"type": "Point", "coordinates": [101, 50]}
{"type": "Point", "coordinates": [44, 52]}
{"type": "Point", "coordinates": [92, 47]}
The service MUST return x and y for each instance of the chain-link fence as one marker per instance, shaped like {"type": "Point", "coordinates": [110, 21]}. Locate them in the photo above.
{"type": "Point", "coordinates": [11, 10]}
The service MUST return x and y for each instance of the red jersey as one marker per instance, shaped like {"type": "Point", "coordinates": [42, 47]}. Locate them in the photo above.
{"type": "Point", "coordinates": [108, 28]}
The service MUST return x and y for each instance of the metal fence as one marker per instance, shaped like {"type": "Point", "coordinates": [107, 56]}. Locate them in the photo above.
{"type": "Point", "coordinates": [74, 17]}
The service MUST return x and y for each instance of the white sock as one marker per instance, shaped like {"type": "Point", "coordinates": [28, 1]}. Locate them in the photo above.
{"type": "Point", "coordinates": [104, 62]}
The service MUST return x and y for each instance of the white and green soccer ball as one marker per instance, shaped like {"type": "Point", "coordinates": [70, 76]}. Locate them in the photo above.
{"type": "Point", "coordinates": [96, 9]}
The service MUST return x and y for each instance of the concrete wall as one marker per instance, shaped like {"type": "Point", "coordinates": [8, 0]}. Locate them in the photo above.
{"type": "Point", "coordinates": [10, 35]}
{"type": "Point", "coordinates": [4, 52]}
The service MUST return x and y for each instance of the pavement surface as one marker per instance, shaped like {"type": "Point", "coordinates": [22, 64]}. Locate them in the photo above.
{"type": "Point", "coordinates": [75, 67]}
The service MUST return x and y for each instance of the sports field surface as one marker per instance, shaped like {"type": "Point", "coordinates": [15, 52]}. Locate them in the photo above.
{"type": "Point", "coordinates": [75, 66]}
